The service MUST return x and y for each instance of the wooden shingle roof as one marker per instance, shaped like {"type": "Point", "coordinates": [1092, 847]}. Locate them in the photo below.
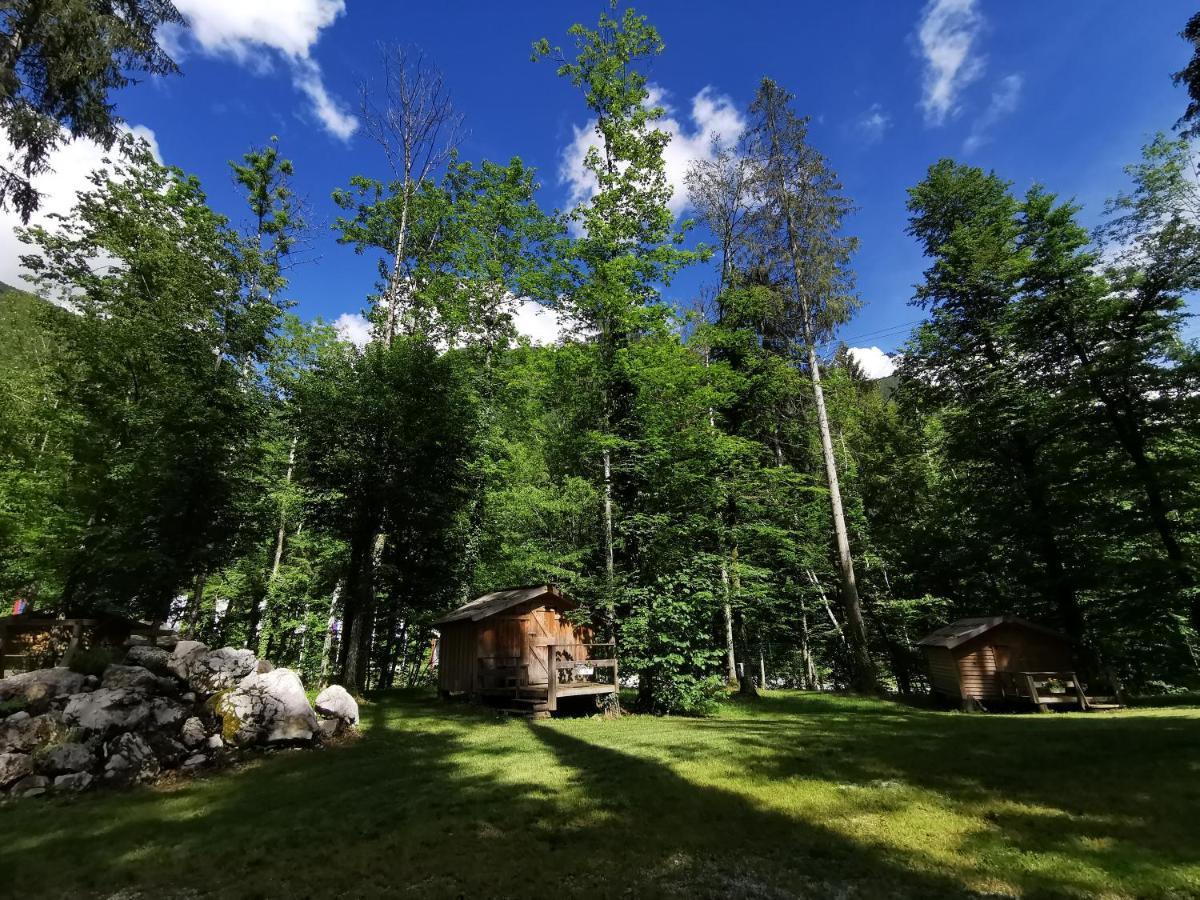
{"type": "Point", "coordinates": [498, 601]}
{"type": "Point", "coordinates": [963, 630]}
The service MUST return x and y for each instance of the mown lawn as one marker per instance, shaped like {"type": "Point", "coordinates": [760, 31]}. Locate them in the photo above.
{"type": "Point", "coordinates": [796, 795]}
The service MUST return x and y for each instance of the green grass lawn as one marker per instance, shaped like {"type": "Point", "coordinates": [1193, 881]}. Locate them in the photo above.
{"type": "Point", "coordinates": [796, 795]}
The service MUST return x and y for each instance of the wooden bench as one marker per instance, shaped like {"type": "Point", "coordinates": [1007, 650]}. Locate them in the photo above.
{"type": "Point", "coordinates": [1035, 687]}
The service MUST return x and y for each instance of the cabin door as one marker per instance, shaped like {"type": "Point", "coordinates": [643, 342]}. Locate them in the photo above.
{"type": "Point", "coordinates": [537, 638]}
{"type": "Point", "coordinates": [1006, 659]}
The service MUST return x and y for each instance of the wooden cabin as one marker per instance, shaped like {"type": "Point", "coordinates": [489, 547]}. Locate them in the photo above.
{"type": "Point", "coordinates": [32, 641]}
{"type": "Point", "coordinates": [1002, 660]}
{"type": "Point", "coordinates": [517, 646]}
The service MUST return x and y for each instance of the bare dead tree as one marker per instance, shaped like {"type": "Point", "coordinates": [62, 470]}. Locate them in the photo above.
{"type": "Point", "coordinates": [716, 188]}
{"type": "Point", "coordinates": [719, 190]}
{"type": "Point", "coordinates": [409, 114]}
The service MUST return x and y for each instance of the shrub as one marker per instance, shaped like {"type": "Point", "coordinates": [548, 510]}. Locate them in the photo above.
{"type": "Point", "coordinates": [13, 705]}
{"type": "Point", "coordinates": [93, 660]}
{"type": "Point", "coordinates": [685, 695]}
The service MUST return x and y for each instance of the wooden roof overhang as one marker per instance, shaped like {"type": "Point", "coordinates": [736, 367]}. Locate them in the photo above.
{"type": "Point", "coordinates": [498, 601]}
{"type": "Point", "coordinates": [960, 632]}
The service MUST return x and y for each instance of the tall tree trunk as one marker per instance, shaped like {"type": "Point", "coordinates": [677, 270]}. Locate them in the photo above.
{"type": "Point", "coordinates": [1059, 584]}
{"type": "Point", "coordinates": [745, 673]}
{"type": "Point", "coordinates": [726, 608]}
{"type": "Point", "coordinates": [359, 619]}
{"type": "Point", "coordinates": [327, 645]}
{"type": "Point", "coordinates": [864, 668]}
{"type": "Point", "coordinates": [281, 534]}
{"type": "Point", "coordinates": [731, 672]}
{"type": "Point", "coordinates": [837, 626]}
{"type": "Point", "coordinates": [809, 678]}
{"type": "Point", "coordinates": [608, 522]}
{"type": "Point", "coordinates": [195, 602]}
{"type": "Point", "coordinates": [395, 279]}
{"type": "Point", "coordinates": [1127, 426]}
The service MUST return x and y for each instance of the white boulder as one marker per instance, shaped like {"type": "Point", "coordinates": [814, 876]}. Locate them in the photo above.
{"type": "Point", "coordinates": [193, 733]}
{"type": "Point", "coordinates": [65, 759]}
{"type": "Point", "coordinates": [41, 685]}
{"type": "Point", "coordinates": [14, 767]}
{"type": "Point", "coordinates": [181, 657]}
{"type": "Point", "coordinates": [217, 670]}
{"type": "Point", "coordinates": [335, 702]}
{"type": "Point", "coordinates": [153, 658]}
{"type": "Point", "coordinates": [166, 714]}
{"type": "Point", "coordinates": [107, 710]}
{"type": "Point", "coordinates": [25, 734]}
{"type": "Point", "coordinates": [30, 786]}
{"type": "Point", "coordinates": [136, 678]}
{"type": "Point", "coordinates": [130, 759]}
{"type": "Point", "coordinates": [75, 781]}
{"type": "Point", "coordinates": [268, 707]}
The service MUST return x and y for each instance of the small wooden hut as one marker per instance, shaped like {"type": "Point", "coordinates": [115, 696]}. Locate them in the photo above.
{"type": "Point", "coordinates": [518, 646]}
{"type": "Point", "coordinates": [1002, 660]}
{"type": "Point", "coordinates": [32, 641]}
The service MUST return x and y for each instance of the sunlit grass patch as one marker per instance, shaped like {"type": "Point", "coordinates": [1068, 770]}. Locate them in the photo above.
{"type": "Point", "coordinates": [795, 795]}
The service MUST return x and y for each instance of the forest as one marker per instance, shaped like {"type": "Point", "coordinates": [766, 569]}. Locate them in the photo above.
{"type": "Point", "coordinates": [727, 494]}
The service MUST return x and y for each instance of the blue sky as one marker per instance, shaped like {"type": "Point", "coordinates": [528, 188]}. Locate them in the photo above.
{"type": "Point", "coordinates": [1062, 93]}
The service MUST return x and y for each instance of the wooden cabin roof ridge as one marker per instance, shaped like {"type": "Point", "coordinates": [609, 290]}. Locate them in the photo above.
{"type": "Point", "coordinates": [497, 601]}
{"type": "Point", "coordinates": [960, 631]}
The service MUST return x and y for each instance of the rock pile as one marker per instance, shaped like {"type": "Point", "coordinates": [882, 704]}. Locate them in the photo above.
{"type": "Point", "coordinates": [174, 705]}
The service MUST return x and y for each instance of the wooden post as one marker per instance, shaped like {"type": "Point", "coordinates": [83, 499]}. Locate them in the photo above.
{"type": "Point", "coordinates": [551, 680]}
{"type": "Point", "coordinates": [76, 639]}
{"type": "Point", "coordinates": [1033, 694]}
{"type": "Point", "coordinates": [1083, 704]}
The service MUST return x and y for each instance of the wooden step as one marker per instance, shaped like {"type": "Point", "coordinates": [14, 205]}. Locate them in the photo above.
{"type": "Point", "coordinates": [542, 713]}
{"type": "Point", "coordinates": [532, 701]}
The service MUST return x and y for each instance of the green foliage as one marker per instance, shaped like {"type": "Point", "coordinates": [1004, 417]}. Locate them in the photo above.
{"type": "Point", "coordinates": [173, 445]}
{"type": "Point", "coordinates": [12, 706]}
{"type": "Point", "coordinates": [32, 460]}
{"type": "Point", "coordinates": [94, 660]}
{"type": "Point", "coordinates": [1058, 404]}
{"type": "Point", "coordinates": [155, 421]}
{"type": "Point", "coordinates": [61, 61]}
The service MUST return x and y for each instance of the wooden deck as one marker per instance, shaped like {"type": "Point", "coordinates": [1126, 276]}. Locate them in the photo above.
{"type": "Point", "coordinates": [577, 672]}
{"type": "Point", "coordinates": [1051, 689]}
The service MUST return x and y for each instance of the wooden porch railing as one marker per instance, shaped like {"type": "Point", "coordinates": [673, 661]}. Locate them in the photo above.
{"type": "Point", "coordinates": [502, 672]}
{"type": "Point", "coordinates": [576, 666]}
{"type": "Point", "coordinates": [1036, 687]}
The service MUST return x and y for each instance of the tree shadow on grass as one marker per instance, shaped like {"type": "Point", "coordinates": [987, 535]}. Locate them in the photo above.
{"type": "Point", "coordinates": [674, 837]}
{"type": "Point", "coordinates": [447, 800]}
{"type": "Point", "coordinates": [1114, 798]}
{"type": "Point", "coordinates": [437, 801]}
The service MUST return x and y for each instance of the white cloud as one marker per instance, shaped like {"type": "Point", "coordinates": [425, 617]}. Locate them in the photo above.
{"type": "Point", "coordinates": [249, 31]}
{"type": "Point", "coordinates": [541, 324]}
{"type": "Point", "coordinates": [711, 114]}
{"type": "Point", "coordinates": [307, 77]}
{"type": "Point", "coordinates": [353, 328]}
{"type": "Point", "coordinates": [873, 123]}
{"type": "Point", "coordinates": [947, 34]}
{"type": "Point", "coordinates": [873, 361]}
{"type": "Point", "coordinates": [1005, 99]}
{"type": "Point", "coordinates": [70, 166]}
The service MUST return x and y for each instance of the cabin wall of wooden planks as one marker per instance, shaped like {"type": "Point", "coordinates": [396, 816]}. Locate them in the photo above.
{"type": "Point", "coordinates": [522, 632]}
{"type": "Point", "coordinates": [943, 671]}
{"type": "Point", "coordinates": [970, 670]}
